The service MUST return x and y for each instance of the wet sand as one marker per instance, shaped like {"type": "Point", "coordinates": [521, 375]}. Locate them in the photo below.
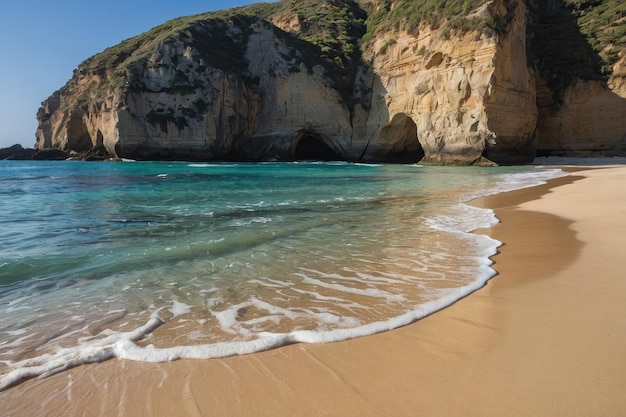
{"type": "Point", "coordinates": [545, 337]}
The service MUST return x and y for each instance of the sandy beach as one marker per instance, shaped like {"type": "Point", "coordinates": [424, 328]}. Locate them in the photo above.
{"type": "Point", "coordinates": [545, 337]}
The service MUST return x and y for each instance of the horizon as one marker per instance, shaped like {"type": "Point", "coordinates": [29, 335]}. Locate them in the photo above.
{"type": "Point", "coordinates": [52, 39]}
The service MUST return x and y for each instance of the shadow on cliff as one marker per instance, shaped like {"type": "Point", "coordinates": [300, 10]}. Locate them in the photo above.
{"type": "Point", "coordinates": [572, 124]}
{"type": "Point", "coordinates": [389, 138]}
{"type": "Point", "coordinates": [558, 49]}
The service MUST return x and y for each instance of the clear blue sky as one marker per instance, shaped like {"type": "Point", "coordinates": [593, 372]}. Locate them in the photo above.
{"type": "Point", "coordinates": [43, 41]}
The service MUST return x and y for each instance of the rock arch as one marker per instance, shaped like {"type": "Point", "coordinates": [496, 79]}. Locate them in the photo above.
{"type": "Point", "coordinates": [400, 137]}
{"type": "Point", "coordinates": [310, 146]}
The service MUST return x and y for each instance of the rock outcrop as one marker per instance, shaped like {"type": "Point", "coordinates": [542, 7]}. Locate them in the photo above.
{"type": "Point", "coordinates": [19, 153]}
{"type": "Point", "coordinates": [276, 85]}
{"type": "Point", "coordinates": [16, 153]}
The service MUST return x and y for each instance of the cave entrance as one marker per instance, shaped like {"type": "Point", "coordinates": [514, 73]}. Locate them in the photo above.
{"type": "Point", "coordinates": [79, 139]}
{"type": "Point", "coordinates": [400, 134]}
{"type": "Point", "coordinates": [99, 138]}
{"type": "Point", "coordinates": [311, 147]}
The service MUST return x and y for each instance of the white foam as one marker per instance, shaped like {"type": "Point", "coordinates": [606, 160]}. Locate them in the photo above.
{"type": "Point", "coordinates": [17, 342]}
{"type": "Point", "coordinates": [95, 350]}
{"type": "Point", "coordinates": [252, 220]}
{"type": "Point", "coordinates": [15, 332]}
{"type": "Point", "coordinates": [366, 164]}
{"type": "Point", "coordinates": [212, 165]}
{"type": "Point", "coordinates": [516, 181]}
{"type": "Point", "coordinates": [178, 309]}
{"type": "Point", "coordinates": [122, 346]}
{"type": "Point", "coordinates": [369, 292]}
{"type": "Point", "coordinates": [470, 218]}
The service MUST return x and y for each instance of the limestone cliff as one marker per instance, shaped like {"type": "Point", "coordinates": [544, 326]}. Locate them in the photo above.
{"type": "Point", "coordinates": [470, 95]}
{"type": "Point", "coordinates": [280, 82]}
{"type": "Point", "coordinates": [236, 88]}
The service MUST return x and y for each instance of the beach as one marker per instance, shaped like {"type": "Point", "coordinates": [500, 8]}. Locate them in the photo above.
{"type": "Point", "coordinates": [545, 337]}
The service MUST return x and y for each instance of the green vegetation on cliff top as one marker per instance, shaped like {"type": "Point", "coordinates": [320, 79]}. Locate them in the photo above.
{"type": "Point", "coordinates": [409, 14]}
{"type": "Point", "coordinates": [336, 30]}
{"type": "Point", "coordinates": [603, 22]}
{"type": "Point", "coordinates": [331, 29]}
{"type": "Point", "coordinates": [142, 45]}
{"type": "Point", "coordinates": [337, 27]}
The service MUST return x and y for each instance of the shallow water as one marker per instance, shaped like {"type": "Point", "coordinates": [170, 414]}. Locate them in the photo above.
{"type": "Point", "coordinates": [158, 261]}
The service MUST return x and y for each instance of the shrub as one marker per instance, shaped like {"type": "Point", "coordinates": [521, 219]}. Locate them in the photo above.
{"type": "Point", "coordinates": [386, 46]}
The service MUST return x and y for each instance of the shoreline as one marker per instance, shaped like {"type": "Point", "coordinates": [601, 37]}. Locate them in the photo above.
{"type": "Point", "coordinates": [538, 339]}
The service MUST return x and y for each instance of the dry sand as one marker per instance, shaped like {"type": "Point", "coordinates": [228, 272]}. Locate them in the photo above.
{"type": "Point", "coordinates": [546, 337]}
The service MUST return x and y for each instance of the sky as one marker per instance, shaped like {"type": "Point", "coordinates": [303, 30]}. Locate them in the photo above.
{"type": "Point", "coordinates": [43, 41]}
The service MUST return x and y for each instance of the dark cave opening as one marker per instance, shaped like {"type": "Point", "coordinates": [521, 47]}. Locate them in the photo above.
{"type": "Point", "coordinates": [79, 139]}
{"type": "Point", "coordinates": [401, 134]}
{"type": "Point", "coordinates": [312, 148]}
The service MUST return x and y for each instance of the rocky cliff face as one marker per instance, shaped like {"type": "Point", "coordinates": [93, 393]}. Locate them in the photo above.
{"type": "Point", "coordinates": [471, 95]}
{"type": "Point", "coordinates": [581, 110]}
{"type": "Point", "coordinates": [590, 119]}
{"type": "Point", "coordinates": [180, 102]}
{"type": "Point", "coordinates": [249, 88]}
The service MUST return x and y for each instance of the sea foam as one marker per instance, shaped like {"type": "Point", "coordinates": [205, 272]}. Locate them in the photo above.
{"type": "Point", "coordinates": [121, 346]}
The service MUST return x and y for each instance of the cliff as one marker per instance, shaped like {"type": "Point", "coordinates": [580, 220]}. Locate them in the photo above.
{"type": "Point", "coordinates": [579, 51]}
{"type": "Point", "coordinates": [459, 83]}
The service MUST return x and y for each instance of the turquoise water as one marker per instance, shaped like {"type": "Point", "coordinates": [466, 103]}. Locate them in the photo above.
{"type": "Point", "coordinates": [158, 261]}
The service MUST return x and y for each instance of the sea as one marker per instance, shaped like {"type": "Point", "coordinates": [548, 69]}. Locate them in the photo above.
{"type": "Point", "coordinates": [157, 261]}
